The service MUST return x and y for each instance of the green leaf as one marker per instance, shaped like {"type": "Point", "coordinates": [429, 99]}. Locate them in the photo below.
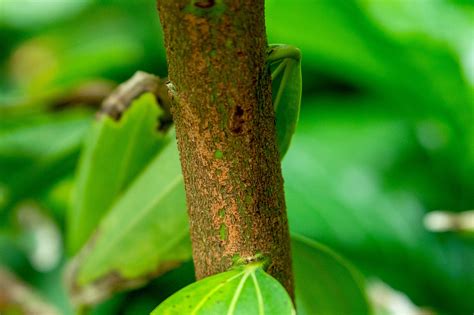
{"type": "Point", "coordinates": [325, 282]}
{"type": "Point", "coordinates": [243, 290]}
{"type": "Point", "coordinates": [286, 78]}
{"type": "Point", "coordinates": [144, 234]}
{"type": "Point", "coordinates": [115, 152]}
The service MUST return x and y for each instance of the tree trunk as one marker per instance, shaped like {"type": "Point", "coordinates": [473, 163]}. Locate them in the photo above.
{"type": "Point", "coordinates": [225, 127]}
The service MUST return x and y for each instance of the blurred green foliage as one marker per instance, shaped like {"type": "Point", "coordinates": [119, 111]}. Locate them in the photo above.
{"type": "Point", "coordinates": [386, 133]}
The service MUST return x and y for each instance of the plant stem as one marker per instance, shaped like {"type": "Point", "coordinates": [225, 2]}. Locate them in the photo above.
{"type": "Point", "coordinates": [225, 126]}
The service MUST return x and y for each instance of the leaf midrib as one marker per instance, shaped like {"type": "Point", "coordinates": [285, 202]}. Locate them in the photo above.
{"type": "Point", "coordinates": [206, 297]}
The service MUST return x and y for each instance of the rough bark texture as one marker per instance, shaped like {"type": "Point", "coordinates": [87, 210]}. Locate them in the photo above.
{"type": "Point", "coordinates": [225, 127]}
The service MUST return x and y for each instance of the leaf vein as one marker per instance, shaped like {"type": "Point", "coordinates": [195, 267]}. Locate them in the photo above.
{"type": "Point", "coordinates": [261, 307]}
{"type": "Point", "coordinates": [206, 297]}
{"type": "Point", "coordinates": [237, 293]}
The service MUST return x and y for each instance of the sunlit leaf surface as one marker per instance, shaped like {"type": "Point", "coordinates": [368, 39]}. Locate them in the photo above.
{"type": "Point", "coordinates": [243, 290]}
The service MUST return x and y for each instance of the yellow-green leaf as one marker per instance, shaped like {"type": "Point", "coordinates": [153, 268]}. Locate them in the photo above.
{"type": "Point", "coordinates": [243, 290]}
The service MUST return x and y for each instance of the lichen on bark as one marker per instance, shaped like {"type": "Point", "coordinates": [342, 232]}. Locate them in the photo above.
{"type": "Point", "coordinates": [225, 128]}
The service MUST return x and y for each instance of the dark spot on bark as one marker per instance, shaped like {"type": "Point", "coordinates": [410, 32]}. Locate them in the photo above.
{"type": "Point", "coordinates": [205, 4]}
{"type": "Point", "coordinates": [240, 53]}
{"type": "Point", "coordinates": [237, 120]}
{"type": "Point", "coordinates": [237, 130]}
{"type": "Point", "coordinates": [239, 111]}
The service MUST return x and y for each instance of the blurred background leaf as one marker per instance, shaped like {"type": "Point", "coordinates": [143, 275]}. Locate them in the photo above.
{"type": "Point", "coordinates": [325, 282]}
{"type": "Point", "coordinates": [35, 152]}
{"type": "Point", "coordinates": [342, 190]}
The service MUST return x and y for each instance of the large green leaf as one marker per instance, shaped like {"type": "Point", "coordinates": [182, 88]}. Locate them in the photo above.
{"type": "Point", "coordinates": [144, 234]}
{"type": "Point", "coordinates": [243, 290]}
{"type": "Point", "coordinates": [325, 283]}
{"type": "Point", "coordinates": [115, 152]}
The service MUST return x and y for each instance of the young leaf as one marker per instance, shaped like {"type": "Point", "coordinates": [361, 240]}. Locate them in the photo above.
{"type": "Point", "coordinates": [287, 93]}
{"type": "Point", "coordinates": [114, 153]}
{"type": "Point", "coordinates": [144, 234]}
{"type": "Point", "coordinates": [325, 282]}
{"type": "Point", "coordinates": [243, 290]}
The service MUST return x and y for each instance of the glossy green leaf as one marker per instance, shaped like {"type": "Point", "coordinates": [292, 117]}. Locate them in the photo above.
{"type": "Point", "coordinates": [325, 283]}
{"type": "Point", "coordinates": [243, 290]}
{"type": "Point", "coordinates": [115, 152]}
{"type": "Point", "coordinates": [145, 233]}
{"type": "Point", "coordinates": [286, 76]}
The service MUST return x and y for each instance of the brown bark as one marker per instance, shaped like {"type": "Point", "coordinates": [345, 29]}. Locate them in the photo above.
{"type": "Point", "coordinates": [225, 127]}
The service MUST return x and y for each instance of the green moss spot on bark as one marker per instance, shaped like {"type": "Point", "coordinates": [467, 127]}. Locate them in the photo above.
{"type": "Point", "coordinates": [223, 232]}
{"type": "Point", "coordinates": [236, 259]}
{"type": "Point", "coordinates": [222, 213]}
{"type": "Point", "coordinates": [218, 154]}
{"type": "Point", "coordinates": [248, 200]}
{"type": "Point", "coordinates": [223, 113]}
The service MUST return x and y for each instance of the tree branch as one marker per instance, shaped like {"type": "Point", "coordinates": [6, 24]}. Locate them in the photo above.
{"type": "Point", "coordinates": [225, 127]}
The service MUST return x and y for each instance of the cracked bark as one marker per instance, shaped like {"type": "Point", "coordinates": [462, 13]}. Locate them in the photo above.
{"type": "Point", "coordinates": [225, 128]}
